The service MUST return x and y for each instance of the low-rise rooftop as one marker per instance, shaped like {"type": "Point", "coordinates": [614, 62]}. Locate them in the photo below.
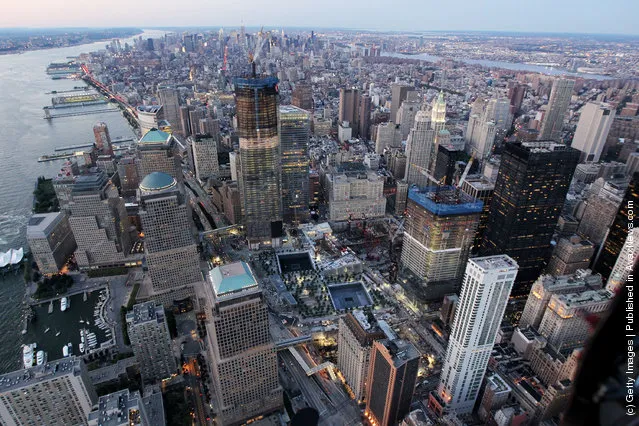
{"type": "Point", "coordinates": [22, 378]}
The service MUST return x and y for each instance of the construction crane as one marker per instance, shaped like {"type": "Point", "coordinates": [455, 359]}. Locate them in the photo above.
{"type": "Point", "coordinates": [466, 170]}
{"type": "Point", "coordinates": [424, 172]}
{"type": "Point", "coordinates": [253, 56]}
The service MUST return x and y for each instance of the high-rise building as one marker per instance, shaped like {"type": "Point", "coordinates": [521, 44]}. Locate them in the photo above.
{"type": "Point", "coordinates": [354, 194]}
{"type": "Point", "coordinates": [364, 119]}
{"type": "Point", "coordinates": [349, 100]}
{"type": "Point", "coordinates": [569, 255]}
{"type": "Point", "coordinates": [529, 195]}
{"type": "Point", "coordinates": [592, 130]}
{"type": "Point", "coordinates": [618, 231]}
{"type": "Point", "coordinates": [195, 115]}
{"type": "Point", "coordinates": [295, 132]}
{"type": "Point", "coordinates": [151, 341]}
{"type": "Point", "coordinates": [243, 356]}
{"type": "Point", "coordinates": [356, 335]}
{"type": "Point", "coordinates": [128, 174]}
{"type": "Point", "coordinates": [600, 208]}
{"type": "Point", "coordinates": [558, 103]}
{"type": "Point", "coordinates": [421, 151]}
{"type": "Point", "coordinates": [496, 394]}
{"type": "Point", "coordinates": [205, 161]}
{"type": "Point", "coordinates": [516, 95]}
{"type": "Point", "coordinates": [389, 135]}
{"type": "Point", "coordinates": [169, 99]}
{"type": "Point", "coordinates": [102, 138]}
{"type": "Point", "coordinates": [50, 240]}
{"type": "Point", "coordinates": [564, 325]}
{"type": "Point", "coordinates": [628, 257]}
{"type": "Point", "coordinates": [99, 222]}
{"type": "Point", "coordinates": [149, 117]}
{"type": "Point", "coordinates": [448, 162]}
{"type": "Point", "coordinates": [158, 152]}
{"type": "Point", "coordinates": [480, 188]}
{"type": "Point", "coordinates": [482, 303]}
{"type": "Point", "coordinates": [125, 408]}
{"type": "Point", "coordinates": [399, 92]}
{"type": "Point", "coordinates": [407, 112]}
{"type": "Point", "coordinates": [391, 381]}
{"type": "Point", "coordinates": [57, 393]}
{"type": "Point", "coordinates": [260, 169]}
{"type": "Point", "coordinates": [302, 96]}
{"type": "Point", "coordinates": [439, 232]}
{"type": "Point", "coordinates": [171, 253]}
{"type": "Point", "coordinates": [438, 113]}
{"type": "Point", "coordinates": [547, 285]}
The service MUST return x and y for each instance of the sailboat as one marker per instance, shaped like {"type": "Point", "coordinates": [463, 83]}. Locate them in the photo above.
{"type": "Point", "coordinates": [57, 333]}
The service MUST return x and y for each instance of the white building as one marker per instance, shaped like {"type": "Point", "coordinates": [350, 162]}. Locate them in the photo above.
{"type": "Point", "coordinates": [421, 151]}
{"type": "Point", "coordinates": [592, 130]}
{"type": "Point", "coordinates": [355, 195]}
{"type": "Point", "coordinates": [484, 296]}
{"type": "Point", "coordinates": [625, 262]}
{"type": "Point", "coordinates": [204, 156]}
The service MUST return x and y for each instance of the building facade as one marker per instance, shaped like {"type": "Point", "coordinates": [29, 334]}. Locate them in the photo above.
{"type": "Point", "coordinates": [51, 241]}
{"type": "Point", "coordinates": [158, 152]}
{"type": "Point", "coordinates": [558, 103]}
{"type": "Point", "coordinates": [592, 131]}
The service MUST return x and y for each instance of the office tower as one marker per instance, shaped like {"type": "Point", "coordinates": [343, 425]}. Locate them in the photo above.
{"type": "Point", "coordinates": [391, 381]}
{"type": "Point", "coordinates": [344, 132]}
{"type": "Point", "coordinates": [128, 174]}
{"type": "Point", "coordinates": [564, 324]}
{"type": "Point", "coordinates": [125, 408]}
{"type": "Point", "coordinates": [184, 113]}
{"type": "Point", "coordinates": [151, 341]}
{"type": "Point", "coordinates": [295, 133]}
{"type": "Point", "coordinates": [169, 99]}
{"type": "Point", "coordinates": [242, 355]}
{"type": "Point", "coordinates": [99, 222]}
{"type": "Point", "coordinates": [58, 393]}
{"type": "Point", "coordinates": [548, 285]}
{"type": "Point", "coordinates": [479, 188]}
{"type": "Point", "coordinates": [396, 163]}
{"type": "Point", "coordinates": [516, 95]}
{"type": "Point", "coordinates": [355, 194]}
{"type": "Point", "coordinates": [618, 232]}
{"type": "Point", "coordinates": [558, 103]}
{"type": "Point", "coordinates": [102, 138]}
{"type": "Point", "coordinates": [496, 394]}
{"type": "Point", "coordinates": [625, 262]}
{"type": "Point", "coordinates": [498, 111]}
{"type": "Point", "coordinates": [401, 197]}
{"type": "Point", "coordinates": [399, 92]}
{"type": "Point", "coordinates": [448, 308]}
{"type": "Point", "coordinates": [438, 113]}
{"type": "Point", "coordinates": [210, 126]}
{"type": "Point", "coordinates": [421, 151]}
{"type": "Point", "coordinates": [481, 142]}
{"type": "Point", "coordinates": [205, 161]}
{"type": "Point", "coordinates": [356, 335]}
{"type": "Point", "coordinates": [569, 255]}
{"type": "Point", "coordinates": [389, 135]}
{"type": "Point", "coordinates": [439, 233]}
{"type": "Point", "coordinates": [482, 303]}
{"type": "Point", "coordinates": [364, 119]}
{"type": "Point", "coordinates": [171, 252]}
{"type": "Point", "coordinates": [529, 195]}
{"type": "Point", "coordinates": [600, 208]}
{"type": "Point", "coordinates": [260, 170]}
{"type": "Point", "coordinates": [447, 165]}
{"type": "Point", "coordinates": [302, 96]}
{"type": "Point", "coordinates": [158, 152]}
{"type": "Point", "coordinates": [149, 117]}
{"type": "Point", "coordinates": [592, 130]}
{"type": "Point", "coordinates": [406, 114]}
{"type": "Point", "coordinates": [349, 100]}
{"type": "Point", "coordinates": [50, 240]}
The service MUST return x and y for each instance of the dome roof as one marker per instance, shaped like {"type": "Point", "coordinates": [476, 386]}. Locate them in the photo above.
{"type": "Point", "coordinates": [157, 181]}
{"type": "Point", "coordinates": [155, 136]}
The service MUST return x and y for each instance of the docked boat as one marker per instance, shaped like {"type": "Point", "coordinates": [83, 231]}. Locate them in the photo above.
{"type": "Point", "coordinates": [64, 304]}
{"type": "Point", "coordinates": [70, 346]}
{"type": "Point", "coordinates": [81, 348]}
{"type": "Point", "coordinates": [57, 333]}
{"type": "Point", "coordinates": [40, 357]}
{"type": "Point", "coordinates": [47, 330]}
{"type": "Point", "coordinates": [65, 351]}
{"type": "Point", "coordinates": [27, 355]}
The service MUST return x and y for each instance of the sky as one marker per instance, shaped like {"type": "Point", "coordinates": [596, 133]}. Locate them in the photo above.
{"type": "Point", "coordinates": [563, 16]}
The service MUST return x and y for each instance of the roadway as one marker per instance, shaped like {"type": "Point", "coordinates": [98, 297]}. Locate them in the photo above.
{"type": "Point", "coordinates": [195, 392]}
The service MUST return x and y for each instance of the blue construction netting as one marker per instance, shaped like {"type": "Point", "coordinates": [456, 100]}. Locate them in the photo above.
{"type": "Point", "coordinates": [427, 198]}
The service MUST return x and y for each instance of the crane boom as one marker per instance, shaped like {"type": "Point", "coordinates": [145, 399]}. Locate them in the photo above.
{"type": "Point", "coordinates": [466, 170]}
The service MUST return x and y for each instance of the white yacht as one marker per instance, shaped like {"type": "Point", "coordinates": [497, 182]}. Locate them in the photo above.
{"type": "Point", "coordinates": [27, 355]}
{"type": "Point", "coordinates": [40, 357]}
{"type": "Point", "coordinates": [65, 351]}
{"type": "Point", "coordinates": [64, 304]}
{"type": "Point", "coordinates": [81, 348]}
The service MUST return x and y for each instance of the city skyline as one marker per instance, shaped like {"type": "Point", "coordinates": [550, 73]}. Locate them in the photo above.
{"type": "Point", "coordinates": [501, 15]}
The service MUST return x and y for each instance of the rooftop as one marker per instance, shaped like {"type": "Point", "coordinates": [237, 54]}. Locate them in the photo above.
{"type": "Point", "coordinates": [444, 200]}
{"type": "Point", "coordinates": [500, 261]}
{"type": "Point", "coordinates": [145, 312]}
{"type": "Point", "coordinates": [155, 136]}
{"type": "Point", "coordinates": [401, 351]}
{"type": "Point", "coordinates": [232, 278]}
{"type": "Point", "coordinates": [90, 183]}
{"type": "Point", "coordinates": [157, 181]}
{"type": "Point", "coordinates": [41, 224]}
{"type": "Point", "coordinates": [22, 378]}
{"type": "Point", "coordinates": [293, 110]}
{"type": "Point", "coordinates": [152, 109]}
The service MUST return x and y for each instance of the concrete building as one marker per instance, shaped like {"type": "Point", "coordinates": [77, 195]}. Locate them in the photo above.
{"type": "Point", "coordinates": [158, 152]}
{"type": "Point", "coordinates": [549, 365]}
{"type": "Point", "coordinates": [260, 177]}
{"type": "Point", "coordinates": [356, 335]}
{"type": "Point", "coordinates": [242, 356]}
{"type": "Point", "coordinates": [128, 174]}
{"type": "Point", "coordinates": [149, 117]}
{"type": "Point", "coordinates": [592, 130]}
{"type": "Point", "coordinates": [364, 119]}
{"type": "Point", "coordinates": [302, 96]}
{"type": "Point", "coordinates": [558, 103]}
{"type": "Point", "coordinates": [389, 135]}
{"type": "Point", "coordinates": [151, 342]}
{"type": "Point", "coordinates": [496, 394]}
{"type": "Point", "coordinates": [479, 188]}
{"type": "Point", "coordinates": [99, 222]}
{"type": "Point", "coordinates": [438, 113]}
{"type": "Point", "coordinates": [625, 262]}
{"type": "Point", "coordinates": [391, 384]}
{"type": "Point", "coordinates": [170, 101]}
{"type": "Point", "coordinates": [169, 247]}
{"type": "Point", "coordinates": [482, 303]}
{"type": "Point", "coordinates": [399, 93]}
{"type": "Point", "coordinates": [102, 138]}
{"type": "Point", "coordinates": [344, 131]}
{"type": "Point", "coordinates": [547, 285]}
{"type": "Point", "coordinates": [51, 241]}
{"type": "Point", "coordinates": [349, 100]}
{"type": "Point", "coordinates": [295, 132]}
{"type": "Point", "coordinates": [406, 113]}
{"type": "Point", "coordinates": [58, 393]}
{"type": "Point", "coordinates": [125, 408]}
{"type": "Point", "coordinates": [564, 324]}
{"type": "Point", "coordinates": [355, 195]}
{"type": "Point", "coordinates": [439, 233]}
{"type": "Point", "coordinates": [421, 151]}
{"type": "Point", "coordinates": [570, 254]}
{"type": "Point", "coordinates": [600, 208]}
{"type": "Point", "coordinates": [205, 160]}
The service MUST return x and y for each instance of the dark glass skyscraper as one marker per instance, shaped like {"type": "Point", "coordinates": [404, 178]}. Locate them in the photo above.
{"type": "Point", "coordinates": [618, 230]}
{"type": "Point", "coordinates": [256, 101]}
{"type": "Point", "coordinates": [529, 195]}
{"type": "Point", "coordinates": [295, 130]}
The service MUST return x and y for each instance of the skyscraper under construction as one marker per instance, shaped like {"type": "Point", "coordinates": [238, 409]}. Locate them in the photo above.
{"type": "Point", "coordinates": [260, 175]}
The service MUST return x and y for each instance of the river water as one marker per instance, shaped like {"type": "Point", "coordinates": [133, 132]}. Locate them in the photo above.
{"type": "Point", "coordinates": [25, 136]}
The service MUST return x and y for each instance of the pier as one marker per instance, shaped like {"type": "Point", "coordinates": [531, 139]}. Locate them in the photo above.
{"type": "Point", "coordinates": [48, 116]}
